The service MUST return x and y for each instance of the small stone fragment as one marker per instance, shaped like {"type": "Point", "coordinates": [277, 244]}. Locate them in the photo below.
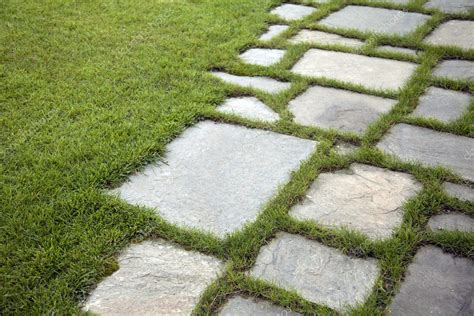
{"type": "Point", "coordinates": [318, 37]}
{"type": "Point", "coordinates": [458, 191]}
{"type": "Point", "coordinates": [451, 6]}
{"type": "Point", "coordinates": [455, 70]}
{"type": "Point", "coordinates": [273, 31]}
{"type": "Point", "coordinates": [239, 305]}
{"type": "Point", "coordinates": [452, 222]}
{"type": "Point", "coordinates": [345, 148]}
{"type": "Point", "coordinates": [248, 107]}
{"type": "Point", "coordinates": [291, 12]}
{"type": "Point", "coordinates": [393, 49]}
{"type": "Point", "coordinates": [453, 33]}
{"type": "Point", "coordinates": [262, 56]}
{"type": "Point", "coordinates": [268, 85]}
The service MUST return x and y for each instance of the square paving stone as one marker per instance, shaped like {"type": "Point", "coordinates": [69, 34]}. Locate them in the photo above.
{"type": "Point", "coordinates": [268, 85]}
{"type": "Point", "coordinates": [262, 56]}
{"type": "Point", "coordinates": [436, 283]}
{"type": "Point", "coordinates": [291, 12]}
{"type": "Point", "coordinates": [371, 72]}
{"type": "Point", "coordinates": [273, 31]}
{"type": "Point", "coordinates": [454, 221]}
{"type": "Point", "coordinates": [459, 191]}
{"type": "Point", "coordinates": [455, 70]}
{"type": "Point", "coordinates": [239, 305]}
{"type": "Point", "coordinates": [155, 277]}
{"type": "Point", "coordinates": [216, 177]}
{"type": "Point", "coordinates": [318, 37]}
{"type": "Point", "coordinates": [377, 20]}
{"type": "Point", "coordinates": [453, 33]}
{"type": "Point", "coordinates": [451, 6]}
{"type": "Point", "coordinates": [364, 198]}
{"type": "Point", "coordinates": [340, 109]}
{"type": "Point", "coordinates": [318, 273]}
{"type": "Point", "coordinates": [248, 107]}
{"type": "Point", "coordinates": [431, 148]}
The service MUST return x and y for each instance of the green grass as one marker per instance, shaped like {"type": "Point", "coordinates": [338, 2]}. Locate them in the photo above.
{"type": "Point", "coordinates": [92, 91]}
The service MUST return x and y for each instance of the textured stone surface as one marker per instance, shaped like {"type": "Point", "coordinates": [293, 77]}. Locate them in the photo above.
{"type": "Point", "coordinates": [441, 104]}
{"type": "Point", "coordinates": [262, 56]}
{"type": "Point", "coordinates": [345, 148]}
{"type": "Point", "coordinates": [217, 176]}
{"type": "Point", "coordinates": [392, 49]}
{"type": "Point", "coordinates": [155, 277]}
{"type": "Point", "coordinates": [268, 85]}
{"type": "Point", "coordinates": [432, 148]}
{"type": "Point", "coordinates": [318, 273]}
{"type": "Point", "coordinates": [340, 109]}
{"type": "Point", "coordinates": [451, 6]}
{"type": "Point", "coordinates": [250, 306]}
{"type": "Point", "coordinates": [291, 12]}
{"type": "Point", "coordinates": [248, 107]}
{"type": "Point", "coordinates": [377, 20]}
{"type": "Point", "coordinates": [372, 72]}
{"type": "Point", "coordinates": [364, 198]}
{"type": "Point", "coordinates": [436, 283]}
{"type": "Point", "coordinates": [273, 31]}
{"type": "Point", "coordinates": [458, 191]}
{"type": "Point", "coordinates": [393, 1]}
{"type": "Point", "coordinates": [318, 37]}
{"type": "Point", "coordinates": [452, 222]}
{"type": "Point", "coordinates": [453, 33]}
{"type": "Point", "coordinates": [455, 70]}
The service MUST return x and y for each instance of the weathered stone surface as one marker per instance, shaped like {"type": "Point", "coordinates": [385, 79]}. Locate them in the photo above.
{"type": "Point", "coordinates": [451, 6]}
{"type": "Point", "coordinates": [393, 1]}
{"type": "Point", "coordinates": [268, 85]}
{"type": "Point", "coordinates": [452, 222]}
{"type": "Point", "coordinates": [155, 277]}
{"type": "Point", "coordinates": [273, 31]}
{"type": "Point", "coordinates": [239, 305]}
{"type": "Point", "coordinates": [262, 56]}
{"type": "Point", "coordinates": [339, 109]}
{"type": "Point", "coordinates": [318, 37]}
{"type": "Point", "coordinates": [458, 191]}
{"type": "Point", "coordinates": [318, 273]}
{"type": "Point", "coordinates": [455, 70]}
{"type": "Point", "coordinates": [377, 20]}
{"type": "Point", "coordinates": [453, 33]}
{"type": "Point", "coordinates": [392, 49]}
{"type": "Point", "coordinates": [217, 176]}
{"type": "Point", "coordinates": [248, 107]}
{"type": "Point", "coordinates": [364, 198]}
{"type": "Point", "coordinates": [372, 72]}
{"type": "Point", "coordinates": [432, 148]}
{"type": "Point", "coordinates": [291, 12]}
{"type": "Point", "coordinates": [436, 283]}
{"type": "Point", "coordinates": [345, 148]}
{"type": "Point", "coordinates": [441, 104]}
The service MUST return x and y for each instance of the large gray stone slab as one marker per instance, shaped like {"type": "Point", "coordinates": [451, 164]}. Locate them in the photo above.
{"type": "Point", "coordinates": [216, 177]}
{"type": "Point", "coordinates": [376, 20]}
{"type": "Point", "coordinates": [248, 107]}
{"type": "Point", "coordinates": [453, 33]}
{"type": "Point", "coordinates": [239, 305]}
{"type": "Point", "coordinates": [340, 109]}
{"type": "Point", "coordinates": [291, 12]}
{"type": "Point", "coordinates": [273, 31]}
{"type": "Point", "coordinates": [155, 277]}
{"type": "Point", "coordinates": [268, 85]}
{"type": "Point", "coordinates": [458, 191]}
{"type": "Point", "coordinates": [452, 222]}
{"type": "Point", "coordinates": [371, 72]}
{"type": "Point", "coordinates": [318, 273]}
{"type": "Point", "coordinates": [431, 148]}
{"type": "Point", "coordinates": [324, 38]}
{"type": "Point", "coordinates": [364, 198]}
{"type": "Point", "coordinates": [451, 6]}
{"type": "Point", "coordinates": [443, 105]}
{"type": "Point", "coordinates": [262, 56]}
{"type": "Point", "coordinates": [455, 70]}
{"type": "Point", "coordinates": [436, 283]}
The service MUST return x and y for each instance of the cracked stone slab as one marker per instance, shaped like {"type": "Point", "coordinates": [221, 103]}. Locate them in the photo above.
{"type": "Point", "coordinates": [401, 50]}
{"type": "Point", "coordinates": [459, 191]}
{"type": "Point", "coordinates": [436, 283]}
{"type": "Point", "coordinates": [455, 70]}
{"type": "Point", "coordinates": [273, 31]}
{"type": "Point", "coordinates": [318, 273]}
{"type": "Point", "coordinates": [453, 33]}
{"type": "Point", "coordinates": [431, 148]}
{"type": "Point", "coordinates": [248, 107]}
{"type": "Point", "coordinates": [265, 84]}
{"type": "Point", "coordinates": [371, 72]}
{"type": "Point", "coordinates": [155, 277]}
{"type": "Point", "coordinates": [292, 12]}
{"type": "Point", "coordinates": [376, 20]}
{"type": "Point", "coordinates": [364, 198]}
{"type": "Point", "coordinates": [454, 221]}
{"type": "Point", "coordinates": [324, 38]}
{"type": "Point", "coordinates": [239, 305]}
{"type": "Point", "coordinates": [451, 6]}
{"type": "Point", "coordinates": [262, 56]}
{"type": "Point", "coordinates": [216, 177]}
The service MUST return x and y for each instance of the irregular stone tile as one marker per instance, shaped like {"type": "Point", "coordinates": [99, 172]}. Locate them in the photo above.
{"type": "Point", "coordinates": [340, 109]}
{"type": "Point", "coordinates": [318, 273]}
{"type": "Point", "coordinates": [291, 12]}
{"type": "Point", "coordinates": [436, 283]}
{"type": "Point", "coordinates": [248, 107]}
{"type": "Point", "coordinates": [155, 277]}
{"type": "Point", "coordinates": [239, 305]}
{"type": "Point", "coordinates": [432, 148]}
{"type": "Point", "coordinates": [392, 49]}
{"type": "Point", "coordinates": [377, 20]}
{"type": "Point", "coordinates": [441, 104]}
{"type": "Point", "coordinates": [364, 198]}
{"type": "Point", "coordinates": [455, 70]}
{"type": "Point", "coordinates": [268, 85]}
{"type": "Point", "coordinates": [458, 191]}
{"type": "Point", "coordinates": [451, 6]}
{"type": "Point", "coordinates": [318, 37]}
{"type": "Point", "coordinates": [345, 148]}
{"type": "Point", "coordinates": [262, 56]}
{"type": "Point", "coordinates": [453, 33]}
{"type": "Point", "coordinates": [452, 222]}
{"type": "Point", "coordinates": [273, 31]}
{"type": "Point", "coordinates": [217, 176]}
{"type": "Point", "coordinates": [372, 72]}
{"type": "Point", "coordinates": [393, 1]}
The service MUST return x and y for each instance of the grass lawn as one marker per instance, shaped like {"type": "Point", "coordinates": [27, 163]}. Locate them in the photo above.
{"type": "Point", "coordinates": [94, 90]}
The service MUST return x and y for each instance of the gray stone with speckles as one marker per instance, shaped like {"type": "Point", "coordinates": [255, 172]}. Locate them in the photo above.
{"type": "Point", "coordinates": [453, 33]}
{"type": "Point", "coordinates": [248, 107]}
{"type": "Point", "coordinates": [455, 70]}
{"type": "Point", "coordinates": [262, 56]}
{"type": "Point", "coordinates": [239, 305]}
{"type": "Point", "coordinates": [324, 38]}
{"type": "Point", "coordinates": [265, 84]}
{"type": "Point", "coordinates": [452, 222]}
{"type": "Point", "coordinates": [451, 6]}
{"type": "Point", "coordinates": [291, 12]}
{"type": "Point", "coordinates": [273, 31]}
{"type": "Point", "coordinates": [459, 191]}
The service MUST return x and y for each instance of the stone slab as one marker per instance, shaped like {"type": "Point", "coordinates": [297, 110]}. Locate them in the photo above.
{"type": "Point", "coordinates": [155, 277]}
{"type": "Point", "coordinates": [292, 12]}
{"type": "Point", "coordinates": [318, 273]}
{"type": "Point", "coordinates": [393, 1]}
{"type": "Point", "coordinates": [239, 305]}
{"type": "Point", "coordinates": [216, 177]}
{"type": "Point", "coordinates": [273, 31]}
{"type": "Point", "coordinates": [324, 38]}
{"type": "Point", "coordinates": [345, 148]}
{"type": "Point", "coordinates": [455, 70]}
{"type": "Point", "coordinates": [248, 107]}
{"type": "Point", "coordinates": [458, 191]}
{"type": "Point", "coordinates": [452, 222]}
{"type": "Point", "coordinates": [363, 198]}
{"type": "Point", "coordinates": [376, 20]}
{"type": "Point", "coordinates": [453, 33]}
{"type": "Point", "coordinates": [371, 72]}
{"type": "Point", "coordinates": [451, 6]}
{"type": "Point", "coordinates": [262, 56]}
{"type": "Point", "coordinates": [401, 50]}
{"type": "Point", "coordinates": [265, 84]}
{"type": "Point", "coordinates": [436, 283]}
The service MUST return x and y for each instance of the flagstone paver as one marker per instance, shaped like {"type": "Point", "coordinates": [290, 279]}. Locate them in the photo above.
{"type": "Point", "coordinates": [248, 107]}
{"type": "Point", "coordinates": [437, 283]}
{"type": "Point", "coordinates": [268, 85]}
{"type": "Point", "coordinates": [455, 70]}
{"type": "Point", "coordinates": [453, 33]}
{"type": "Point", "coordinates": [451, 6]}
{"type": "Point", "coordinates": [324, 38]}
{"type": "Point", "coordinates": [340, 109]}
{"type": "Point", "coordinates": [459, 191]}
{"type": "Point", "coordinates": [393, 1]}
{"type": "Point", "coordinates": [364, 198]}
{"type": "Point", "coordinates": [345, 148]}
{"type": "Point", "coordinates": [453, 221]}
{"type": "Point", "coordinates": [372, 72]}
{"type": "Point", "coordinates": [262, 56]}
{"type": "Point", "coordinates": [250, 306]}
{"type": "Point", "coordinates": [155, 277]}
{"type": "Point", "coordinates": [432, 148]}
{"type": "Point", "coordinates": [273, 31]}
{"type": "Point", "coordinates": [402, 50]}
{"type": "Point", "coordinates": [291, 12]}
{"type": "Point", "coordinates": [377, 20]}
{"type": "Point", "coordinates": [318, 273]}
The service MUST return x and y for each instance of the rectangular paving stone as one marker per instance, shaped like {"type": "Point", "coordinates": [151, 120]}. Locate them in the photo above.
{"type": "Point", "coordinates": [239, 305]}
{"type": "Point", "coordinates": [291, 12]}
{"type": "Point", "coordinates": [402, 50]}
{"type": "Point", "coordinates": [453, 221]}
{"type": "Point", "coordinates": [453, 33]}
{"type": "Point", "coordinates": [154, 278]}
{"type": "Point", "coordinates": [262, 56]}
{"type": "Point", "coordinates": [268, 85]}
{"type": "Point", "coordinates": [451, 6]}
{"type": "Point", "coordinates": [459, 191]}
{"type": "Point", "coordinates": [371, 72]}
{"type": "Point", "coordinates": [273, 31]}
{"type": "Point", "coordinates": [318, 273]}
{"type": "Point", "coordinates": [340, 109]}
{"type": "Point", "coordinates": [216, 177]}
{"type": "Point", "coordinates": [324, 38]}
{"type": "Point", "coordinates": [431, 148]}
{"type": "Point", "coordinates": [248, 107]}
{"type": "Point", "coordinates": [455, 70]}
{"type": "Point", "coordinates": [376, 20]}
